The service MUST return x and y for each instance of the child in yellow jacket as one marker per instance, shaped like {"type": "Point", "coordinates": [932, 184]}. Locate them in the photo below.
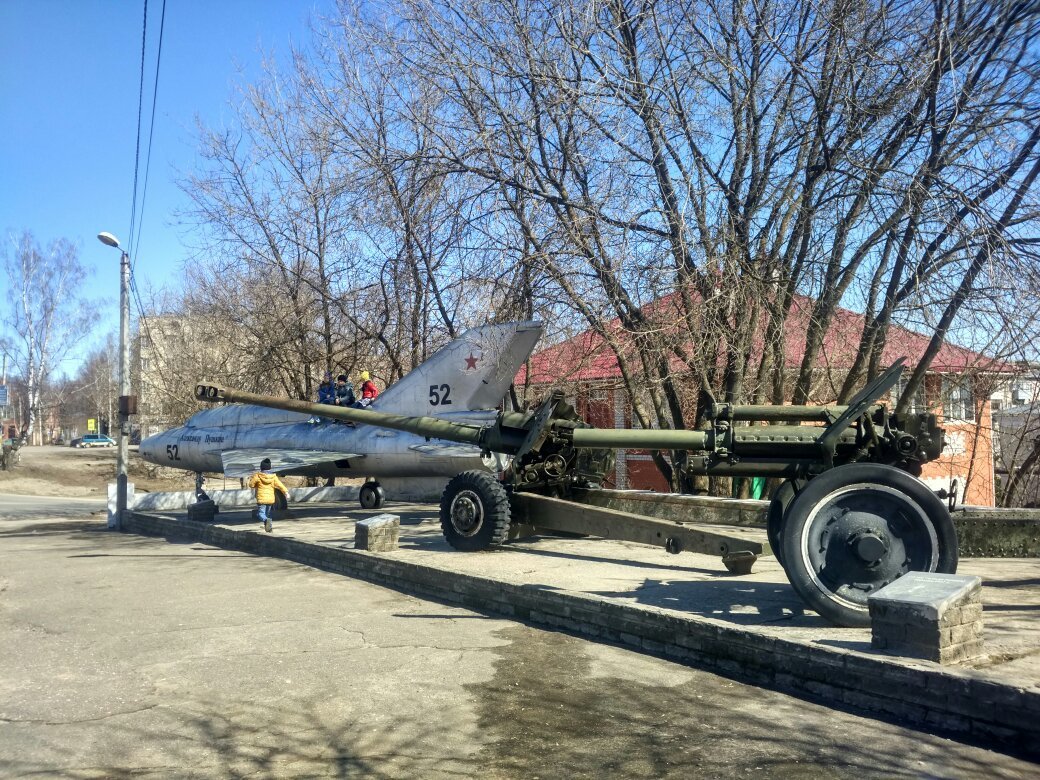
{"type": "Point", "coordinates": [265, 484]}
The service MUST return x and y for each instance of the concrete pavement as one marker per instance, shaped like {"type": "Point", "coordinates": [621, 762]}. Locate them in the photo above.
{"type": "Point", "coordinates": [689, 582]}
{"type": "Point", "coordinates": [687, 608]}
{"type": "Point", "coordinates": [128, 655]}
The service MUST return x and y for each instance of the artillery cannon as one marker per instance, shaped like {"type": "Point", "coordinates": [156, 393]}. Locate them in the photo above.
{"type": "Point", "coordinates": [849, 516]}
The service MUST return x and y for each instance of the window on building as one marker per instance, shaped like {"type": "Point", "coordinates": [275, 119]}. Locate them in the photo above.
{"type": "Point", "coordinates": [917, 403]}
{"type": "Point", "coordinates": [146, 364]}
{"type": "Point", "coordinates": [958, 398]}
{"type": "Point", "coordinates": [597, 408]}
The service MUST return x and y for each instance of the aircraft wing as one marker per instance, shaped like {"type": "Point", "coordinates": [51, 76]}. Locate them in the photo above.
{"type": "Point", "coordinates": [446, 450]}
{"type": "Point", "coordinates": [242, 463]}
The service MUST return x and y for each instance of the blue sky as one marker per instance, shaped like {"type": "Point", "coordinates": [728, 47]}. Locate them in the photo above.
{"type": "Point", "coordinates": [69, 79]}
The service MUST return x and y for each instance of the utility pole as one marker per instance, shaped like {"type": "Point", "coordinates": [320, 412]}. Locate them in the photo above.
{"type": "Point", "coordinates": [6, 402]}
{"type": "Point", "coordinates": [124, 386]}
{"type": "Point", "coordinates": [126, 402]}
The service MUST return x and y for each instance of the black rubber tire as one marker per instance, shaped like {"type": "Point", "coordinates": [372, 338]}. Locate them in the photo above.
{"type": "Point", "coordinates": [371, 496]}
{"type": "Point", "coordinates": [855, 512]}
{"type": "Point", "coordinates": [778, 506]}
{"type": "Point", "coordinates": [475, 511]}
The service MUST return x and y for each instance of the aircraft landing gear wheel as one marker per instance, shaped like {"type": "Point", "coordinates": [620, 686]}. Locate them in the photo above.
{"type": "Point", "coordinates": [371, 495]}
{"type": "Point", "coordinates": [855, 529]}
{"type": "Point", "coordinates": [475, 511]}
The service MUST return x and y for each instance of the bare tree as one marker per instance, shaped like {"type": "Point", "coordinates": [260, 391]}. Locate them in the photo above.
{"type": "Point", "coordinates": [97, 384]}
{"type": "Point", "coordinates": [703, 186]}
{"type": "Point", "coordinates": [268, 201]}
{"type": "Point", "coordinates": [434, 249]}
{"type": "Point", "coordinates": [765, 162]}
{"type": "Point", "coordinates": [46, 318]}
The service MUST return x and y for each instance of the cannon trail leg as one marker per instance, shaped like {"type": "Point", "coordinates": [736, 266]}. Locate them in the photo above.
{"type": "Point", "coordinates": [533, 514]}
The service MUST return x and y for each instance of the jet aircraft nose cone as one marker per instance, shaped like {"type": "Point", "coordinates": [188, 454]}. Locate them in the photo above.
{"type": "Point", "coordinates": [151, 446]}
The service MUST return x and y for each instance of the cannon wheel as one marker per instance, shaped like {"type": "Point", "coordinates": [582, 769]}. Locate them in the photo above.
{"type": "Point", "coordinates": [371, 495]}
{"type": "Point", "coordinates": [475, 511]}
{"type": "Point", "coordinates": [858, 527]}
{"type": "Point", "coordinates": [778, 506]}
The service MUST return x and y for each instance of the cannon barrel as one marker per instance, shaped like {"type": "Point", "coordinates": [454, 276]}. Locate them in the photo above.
{"type": "Point", "coordinates": [506, 437]}
{"type": "Point", "coordinates": [554, 433]}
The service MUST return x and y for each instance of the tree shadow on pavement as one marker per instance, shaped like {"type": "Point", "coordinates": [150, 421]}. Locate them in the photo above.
{"type": "Point", "coordinates": [240, 738]}
{"type": "Point", "coordinates": [554, 706]}
{"type": "Point", "coordinates": [558, 707]}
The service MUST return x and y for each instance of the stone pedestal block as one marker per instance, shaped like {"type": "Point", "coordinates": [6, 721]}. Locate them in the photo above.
{"type": "Point", "coordinates": [937, 617]}
{"type": "Point", "coordinates": [377, 534]}
{"type": "Point", "coordinates": [202, 511]}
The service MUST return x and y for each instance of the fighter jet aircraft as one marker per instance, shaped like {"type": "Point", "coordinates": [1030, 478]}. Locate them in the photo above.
{"type": "Point", "coordinates": [463, 381]}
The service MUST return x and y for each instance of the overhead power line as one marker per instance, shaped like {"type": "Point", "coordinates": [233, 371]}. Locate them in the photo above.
{"type": "Point", "coordinates": [140, 107]}
{"type": "Point", "coordinates": [151, 129]}
{"type": "Point", "coordinates": [137, 214]}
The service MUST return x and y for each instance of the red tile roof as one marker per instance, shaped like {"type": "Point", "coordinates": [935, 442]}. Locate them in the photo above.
{"type": "Point", "coordinates": [587, 357]}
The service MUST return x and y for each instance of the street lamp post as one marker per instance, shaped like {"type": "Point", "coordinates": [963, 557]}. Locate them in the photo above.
{"type": "Point", "coordinates": [124, 376]}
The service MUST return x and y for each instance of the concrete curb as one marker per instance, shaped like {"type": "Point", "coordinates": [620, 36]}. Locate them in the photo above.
{"type": "Point", "coordinates": [967, 704]}
{"type": "Point", "coordinates": [160, 502]}
{"type": "Point", "coordinates": [417, 489]}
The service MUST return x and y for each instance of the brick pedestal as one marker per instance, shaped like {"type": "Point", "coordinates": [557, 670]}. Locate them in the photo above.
{"type": "Point", "coordinates": [937, 617]}
{"type": "Point", "coordinates": [377, 534]}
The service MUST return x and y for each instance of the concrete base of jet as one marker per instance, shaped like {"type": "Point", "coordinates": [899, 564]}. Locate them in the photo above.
{"type": "Point", "coordinates": [683, 607]}
{"type": "Point", "coordinates": [417, 489]}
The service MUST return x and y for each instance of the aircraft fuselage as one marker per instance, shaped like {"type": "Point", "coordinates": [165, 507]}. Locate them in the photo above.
{"type": "Point", "coordinates": [364, 451]}
{"type": "Point", "coordinates": [463, 381]}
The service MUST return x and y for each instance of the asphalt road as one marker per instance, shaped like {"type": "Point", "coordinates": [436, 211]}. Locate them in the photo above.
{"type": "Point", "coordinates": [14, 507]}
{"type": "Point", "coordinates": [127, 655]}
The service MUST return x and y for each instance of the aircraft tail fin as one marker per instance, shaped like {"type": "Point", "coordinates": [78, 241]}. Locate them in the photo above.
{"type": "Point", "coordinates": [472, 372]}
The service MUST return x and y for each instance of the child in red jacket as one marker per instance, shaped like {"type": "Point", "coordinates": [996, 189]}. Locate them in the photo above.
{"type": "Point", "coordinates": [369, 392]}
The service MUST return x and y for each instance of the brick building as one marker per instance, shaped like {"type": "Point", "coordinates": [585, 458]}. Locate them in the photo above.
{"type": "Point", "coordinates": [958, 387]}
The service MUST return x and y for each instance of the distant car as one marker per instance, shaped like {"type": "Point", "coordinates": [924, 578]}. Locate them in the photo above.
{"type": "Point", "coordinates": [94, 440]}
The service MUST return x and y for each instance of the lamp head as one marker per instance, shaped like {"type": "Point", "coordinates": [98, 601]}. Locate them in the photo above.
{"type": "Point", "coordinates": [109, 239]}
